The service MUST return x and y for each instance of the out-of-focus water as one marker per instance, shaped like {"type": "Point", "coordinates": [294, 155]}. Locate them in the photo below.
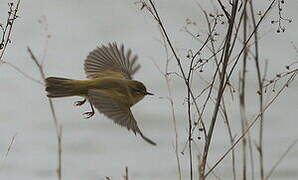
{"type": "Point", "coordinates": [93, 149]}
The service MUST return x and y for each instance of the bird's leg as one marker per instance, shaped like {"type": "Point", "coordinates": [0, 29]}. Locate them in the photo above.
{"type": "Point", "coordinates": [88, 115]}
{"type": "Point", "coordinates": [80, 103]}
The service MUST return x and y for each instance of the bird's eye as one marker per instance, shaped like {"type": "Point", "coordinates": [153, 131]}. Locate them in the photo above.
{"type": "Point", "coordinates": [138, 92]}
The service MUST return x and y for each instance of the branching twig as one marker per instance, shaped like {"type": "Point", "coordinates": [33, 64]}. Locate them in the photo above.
{"type": "Point", "coordinates": [253, 122]}
{"type": "Point", "coordinates": [156, 16]}
{"type": "Point", "coordinates": [58, 127]}
{"type": "Point", "coordinates": [6, 31]}
{"type": "Point", "coordinates": [225, 58]}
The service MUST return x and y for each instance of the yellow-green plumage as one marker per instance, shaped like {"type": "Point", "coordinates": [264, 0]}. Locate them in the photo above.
{"type": "Point", "coordinates": [110, 87]}
{"type": "Point", "coordinates": [122, 90]}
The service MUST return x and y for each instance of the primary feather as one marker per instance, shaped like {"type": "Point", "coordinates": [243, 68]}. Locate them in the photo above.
{"type": "Point", "coordinates": [111, 60]}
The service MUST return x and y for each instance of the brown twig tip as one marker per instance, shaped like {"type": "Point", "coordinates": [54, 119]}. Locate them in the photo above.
{"type": "Point", "coordinates": [281, 27]}
{"type": "Point", "coordinates": [126, 174]}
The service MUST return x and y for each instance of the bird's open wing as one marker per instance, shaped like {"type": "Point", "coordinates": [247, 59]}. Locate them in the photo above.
{"type": "Point", "coordinates": [120, 114]}
{"type": "Point", "coordinates": [111, 60]}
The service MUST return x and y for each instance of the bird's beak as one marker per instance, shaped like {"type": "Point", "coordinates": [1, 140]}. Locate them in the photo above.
{"type": "Point", "coordinates": [148, 93]}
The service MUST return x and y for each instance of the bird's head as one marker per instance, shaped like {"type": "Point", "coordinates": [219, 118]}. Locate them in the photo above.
{"type": "Point", "coordinates": [138, 90]}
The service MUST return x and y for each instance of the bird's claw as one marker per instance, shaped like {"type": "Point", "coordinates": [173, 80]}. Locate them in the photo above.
{"type": "Point", "coordinates": [79, 103]}
{"type": "Point", "coordinates": [88, 115]}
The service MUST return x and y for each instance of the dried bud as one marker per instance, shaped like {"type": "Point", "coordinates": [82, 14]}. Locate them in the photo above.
{"type": "Point", "coordinates": [188, 21]}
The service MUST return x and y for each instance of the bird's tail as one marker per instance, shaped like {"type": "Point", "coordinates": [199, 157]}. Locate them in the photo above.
{"type": "Point", "coordinates": [61, 87]}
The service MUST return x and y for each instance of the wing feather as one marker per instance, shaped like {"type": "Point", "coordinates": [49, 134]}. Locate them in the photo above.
{"type": "Point", "coordinates": [111, 60]}
{"type": "Point", "coordinates": [119, 113]}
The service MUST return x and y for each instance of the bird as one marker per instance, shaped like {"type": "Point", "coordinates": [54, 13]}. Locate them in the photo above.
{"type": "Point", "coordinates": [109, 87]}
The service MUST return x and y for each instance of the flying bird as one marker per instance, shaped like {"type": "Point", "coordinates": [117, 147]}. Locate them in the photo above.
{"type": "Point", "coordinates": [110, 86]}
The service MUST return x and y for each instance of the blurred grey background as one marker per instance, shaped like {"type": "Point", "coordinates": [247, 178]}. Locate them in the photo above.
{"type": "Point", "coordinates": [95, 148]}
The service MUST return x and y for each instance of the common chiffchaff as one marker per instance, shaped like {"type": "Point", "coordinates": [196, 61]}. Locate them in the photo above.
{"type": "Point", "coordinates": [110, 87]}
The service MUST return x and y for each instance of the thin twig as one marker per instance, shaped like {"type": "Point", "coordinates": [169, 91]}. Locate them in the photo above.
{"type": "Point", "coordinates": [126, 174]}
{"type": "Point", "coordinates": [242, 94]}
{"type": "Point", "coordinates": [166, 76]}
{"type": "Point", "coordinates": [58, 127]}
{"type": "Point", "coordinates": [8, 150]}
{"type": "Point", "coordinates": [260, 92]}
{"type": "Point", "coordinates": [280, 159]}
{"type": "Point", "coordinates": [225, 57]}
{"type": "Point", "coordinates": [155, 14]}
{"type": "Point", "coordinates": [16, 68]}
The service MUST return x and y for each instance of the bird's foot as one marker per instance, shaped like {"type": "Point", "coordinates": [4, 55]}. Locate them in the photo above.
{"type": "Point", "coordinates": [79, 103]}
{"type": "Point", "coordinates": [88, 115]}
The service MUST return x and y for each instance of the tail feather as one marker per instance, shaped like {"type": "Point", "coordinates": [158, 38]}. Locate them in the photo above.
{"type": "Point", "coordinates": [60, 87]}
